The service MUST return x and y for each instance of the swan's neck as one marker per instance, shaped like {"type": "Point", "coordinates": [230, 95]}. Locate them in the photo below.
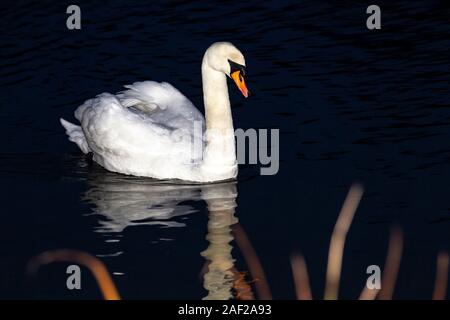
{"type": "Point", "coordinates": [220, 145]}
{"type": "Point", "coordinates": [217, 101]}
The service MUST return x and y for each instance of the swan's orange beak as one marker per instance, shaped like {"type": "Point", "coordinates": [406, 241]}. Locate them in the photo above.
{"type": "Point", "coordinates": [240, 82]}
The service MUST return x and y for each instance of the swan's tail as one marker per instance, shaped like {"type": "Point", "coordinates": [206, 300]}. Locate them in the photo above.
{"type": "Point", "coordinates": [75, 135]}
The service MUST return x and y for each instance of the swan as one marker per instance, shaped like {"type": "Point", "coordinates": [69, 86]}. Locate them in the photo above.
{"type": "Point", "coordinates": [152, 130]}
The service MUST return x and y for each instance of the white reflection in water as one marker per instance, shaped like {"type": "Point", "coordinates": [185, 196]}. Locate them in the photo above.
{"type": "Point", "coordinates": [219, 277]}
{"type": "Point", "coordinates": [130, 201]}
{"type": "Point", "coordinates": [127, 201]}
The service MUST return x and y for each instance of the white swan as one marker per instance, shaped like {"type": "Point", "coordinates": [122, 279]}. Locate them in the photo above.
{"type": "Point", "coordinates": [153, 130]}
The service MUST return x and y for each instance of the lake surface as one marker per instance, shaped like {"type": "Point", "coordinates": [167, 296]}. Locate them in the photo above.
{"type": "Point", "coordinates": [352, 105]}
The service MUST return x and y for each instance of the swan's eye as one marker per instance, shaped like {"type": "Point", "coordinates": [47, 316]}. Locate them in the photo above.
{"type": "Point", "coordinates": [236, 67]}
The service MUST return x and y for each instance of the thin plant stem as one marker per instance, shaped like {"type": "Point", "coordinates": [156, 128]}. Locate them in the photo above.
{"type": "Point", "coordinates": [392, 264]}
{"type": "Point", "coordinates": [252, 260]}
{"type": "Point", "coordinates": [301, 278]}
{"type": "Point", "coordinates": [440, 285]}
{"type": "Point", "coordinates": [98, 269]}
{"type": "Point", "coordinates": [337, 242]}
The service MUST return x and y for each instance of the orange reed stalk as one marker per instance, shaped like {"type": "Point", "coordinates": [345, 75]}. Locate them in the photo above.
{"type": "Point", "coordinates": [253, 263]}
{"type": "Point", "coordinates": [301, 279]}
{"type": "Point", "coordinates": [98, 269]}
{"type": "Point", "coordinates": [440, 285]}
{"type": "Point", "coordinates": [392, 264]}
{"type": "Point", "coordinates": [369, 294]}
{"type": "Point", "coordinates": [337, 242]}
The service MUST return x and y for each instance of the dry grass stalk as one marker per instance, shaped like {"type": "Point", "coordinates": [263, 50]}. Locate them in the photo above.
{"type": "Point", "coordinates": [338, 241]}
{"type": "Point", "coordinates": [98, 269]}
{"type": "Point", "coordinates": [440, 286]}
{"type": "Point", "coordinates": [369, 294]}
{"type": "Point", "coordinates": [392, 264]}
{"type": "Point", "coordinates": [301, 278]}
{"type": "Point", "coordinates": [253, 263]}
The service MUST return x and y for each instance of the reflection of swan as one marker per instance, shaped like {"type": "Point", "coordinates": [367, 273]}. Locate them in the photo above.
{"type": "Point", "coordinates": [153, 130]}
{"type": "Point", "coordinates": [127, 201]}
{"type": "Point", "coordinates": [221, 201]}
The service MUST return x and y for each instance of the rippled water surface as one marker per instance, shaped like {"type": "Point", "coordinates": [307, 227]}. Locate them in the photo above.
{"type": "Point", "coordinates": [351, 105]}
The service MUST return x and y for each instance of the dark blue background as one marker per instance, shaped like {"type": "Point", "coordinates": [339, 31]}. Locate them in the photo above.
{"type": "Point", "coordinates": [351, 105]}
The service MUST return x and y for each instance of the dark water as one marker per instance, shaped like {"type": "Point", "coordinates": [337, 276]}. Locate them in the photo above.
{"type": "Point", "coordinates": [351, 105]}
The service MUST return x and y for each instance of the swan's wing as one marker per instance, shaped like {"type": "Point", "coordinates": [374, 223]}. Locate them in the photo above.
{"type": "Point", "coordinates": [167, 129]}
{"type": "Point", "coordinates": [162, 102]}
{"type": "Point", "coordinates": [166, 107]}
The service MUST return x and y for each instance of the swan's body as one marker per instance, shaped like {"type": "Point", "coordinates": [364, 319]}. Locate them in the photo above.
{"type": "Point", "coordinates": [153, 130]}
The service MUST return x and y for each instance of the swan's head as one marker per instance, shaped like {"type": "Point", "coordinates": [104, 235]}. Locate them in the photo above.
{"type": "Point", "coordinates": [225, 57]}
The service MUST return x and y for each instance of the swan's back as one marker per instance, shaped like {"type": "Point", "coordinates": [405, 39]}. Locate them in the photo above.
{"type": "Point", "coordinates": [163, 101]}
